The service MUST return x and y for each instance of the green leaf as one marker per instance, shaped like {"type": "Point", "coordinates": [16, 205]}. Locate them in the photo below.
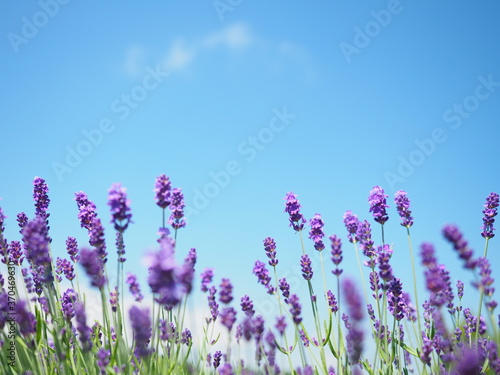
{"type": "Point", "coordinates": [39, 324]}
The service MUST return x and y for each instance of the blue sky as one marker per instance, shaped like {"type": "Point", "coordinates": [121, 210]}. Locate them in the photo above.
{"type": "Point", "coordinates": [325, 99]}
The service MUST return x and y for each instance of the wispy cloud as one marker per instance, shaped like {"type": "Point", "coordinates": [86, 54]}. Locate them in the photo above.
{"type": "Point", "coordinates": [133, 64]}
{"type": "Point", "coordinates": [179, 56]}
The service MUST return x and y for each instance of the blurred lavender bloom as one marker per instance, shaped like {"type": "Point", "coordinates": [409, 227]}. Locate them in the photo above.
{"type": "Point", "coordinates": [403, 207]}
{"type": "Point", "coordinates": [22, 220]}
{"type": "Point", "coordinates": [68, 301]}
{"type": "Point", "coordinates": [280, 325]}
{"type": "Point", "coordinates": [263, 277]}
{"type": "Point", "coordinates": [15, 253]}
{"type": "Point", "coordinates": [332, 301]}
{"type": "Point", "coordinates": [134, 287]}
{"type": "Point", "coordinates": [120, 207]}
{"type": "Point", "coordinates": [212, 303]}
{"type": "Point", "coordinates": [217, 358]}
{"type": "Point", "coordinates": [206, 278]}
{"type": "Point", "coordinates": [113, 299]}
{"type": "Point", "coordinates": [97, 239]}
{"type": "Point", "coordinates": [486, 281]}
{"type": "Point", "coordinates": [36, 243]}
{"type": "Point", "coordinates": [292, 207]}
{"type": "Point", "coordinates": [385, 269]}
{"type": "Point", "coordinates": [226, 291]}
{"type": "Point", "coordinates": [162, 191]}
{"type": "Point", "coordinates": [94, 266]}
{"type": "Point", "coordinates": [141, 327]}
{"type": "Point", "coordinates": [25, 319]}
{"type": "Point", "coordinates": [490, 211]}
{"type": "Point", "coordinates": [378, 206]}
{"type": "Point", "coordinates": [228, 317]}
{"type": "Point", "coordinates": [81, 326]}
{"type": "Point", "coordinates": [295, 308]}
{"type": "Point", "coordinates": [186, 338]}
{"type": "Point", "coordinates": [454, 236]}
{"type": "Point", "coordinates": [103, 359]}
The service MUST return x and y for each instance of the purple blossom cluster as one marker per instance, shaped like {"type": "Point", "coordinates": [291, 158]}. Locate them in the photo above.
{"type": "Point", "coordinates": [270, 249]}
{"type": "Point", "coordinates": [292, 208]}
{"type": "Point", "coordinates": [177, 207]}
{"type": "Point", "coordinates": [120, 207]}
{"type": "Point", "coordinates": [336, 245]}
{"type": "Point", "coordinates": [378, 204]}
{"type": "Point", "coordinates": [489, 212]}
{"type": "Point", "coordinates": [316, 232]}
{"type": "Point", "coordinates": [403, 207]}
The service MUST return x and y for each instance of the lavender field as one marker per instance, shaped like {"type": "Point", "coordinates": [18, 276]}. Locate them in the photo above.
{"type": "Point", "coordinates": [46, 330]}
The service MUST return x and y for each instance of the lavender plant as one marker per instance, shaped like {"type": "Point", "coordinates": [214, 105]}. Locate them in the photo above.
{"type": "Point", "coordinates": [48, 324]}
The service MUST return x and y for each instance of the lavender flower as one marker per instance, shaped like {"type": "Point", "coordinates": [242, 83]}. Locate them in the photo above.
{"type": "Point", "coordinates": [228, 317]}
{"type": "Point", "coordinates": [94, 266]}
{"type": "Point", "coordinates": [316, 232]}
{"type": "Point", "coordinates": [247, 306]}
{"type": "Point", "coordinates": [263, 277]}
{"type": "Point", "coordinates": [295, 308]}
{"type": "Point", "coordinates": [68, 301]}
{"type": "Point", "coordinates": [36, 243]}
{"type": "Point", "coordinates": [460, 289]}
{"type": "Point", "coordinates": [162, 191]}
{"type": "Point", "coordinates": [170, 281]}
{"type": "Point", "coordinates": [453, 235]}
{"type": "Point", "coordinates": [285, 289]}
{"type": "Point", "coordinates": [177, 207]}
{"type": "Point", "coordinates": [86, 210]}
{"type": "Point", "coordinates": [486, 282]}
{"type": "Point", "coordinates": [378, 206]}
{"type": "Point", "coordinates": [206, 278]}
{"type": "Point", "coordinates": [353, 300]}
{"type": "Point", "coordinates": [395, 299]}
{"type": "Point", "coordinates": [270, 249]}
{"type": "Point", "coordinates": [375, 285]}
{"type": "Point", "coordinates": [40, 195]}
{"type": "Point", "coordinates": [186, 338]}
{"type": "Point", "coordinates": [403, 206]}
{"type": "Point", "coordinates": [96, 238]}
{"type": "Point", "coordinates": [113, 299]}
{"type": "Point", "coordinates": [212, 303]}
{"type": "Point", "coordinates": [225, 291]}
{"type": "Point", "coordinates": [364, 234]}
{"type": "Point", "coordinates": [15, 253]}
{"type": "Point", "coordinates": [82, 328]}
{"type": "Point", "coordinates": [217, 358]}
{"type": "Point", "coordinates": [332, 302]}
{"type": "Point", "coordinates": [64, 266]}
{"type": "Point", "coordinates": [103, 359]}
{"type": "Point", "coordinates": [292, 207]}
{"type": "Point", "coordinates": [336, 257]}
{"type": "Point", "coordinates": [25, 319]}
{"type": "Point", "coordinates": [280, 325]}
{"type": "Point", "coordinates": [354, 306]}
{"type": "Point", "coordinates": [305, 263]}
{"type": "Point", "coordinates": [120, 247]}
{"type": "Point", "coordinates": [134, 287]}
{"type": "Point", "coordinates": [72, 249]}
{"type": "Point", "coordinates": [351, 223]}
{"type": "Point", "coordinates": [141, 326]}
{"type": "Point", "coordinates": [385, 269]}
{"type": "Point", "coordinates": [22, 220]}
{"type": "Point", "coordinates": [490, 211]}
{"type": "Point", "coordinates": [120, 207]}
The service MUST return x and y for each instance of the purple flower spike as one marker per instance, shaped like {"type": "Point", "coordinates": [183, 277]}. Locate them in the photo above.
{"type": "Point", "coordinates": [86, 210]}
{"type": "Point", "coordinates": [72, 249]}
{"type": "Point", "coordinates": [353, 300]}
{"type": "Point", "coordinates": [385, 269]}
{"type": "Point", "coordinates": [217, 358]}
{"type": "Point", "coordinates": [228, 317]}
{"type": "Point", "coordinates": [336, 244]}
{"type": "Point", "coordinates": [378, 204]}
{"type": "Point", "coordinates": [490, 211]}
{"type": "Point", "coordinates": [226, 291]}
{"type": "Point", "coordinates": [280, 325]}
{"type": "Point", "coordinates": [120, 207]}
{"type": "Point", "coordinates": [22, 220]}
{"type": "Point", "coordinates": [403, 207]}
{"type": "Point", "coordinates": [103, 359]}
{"type": "Point", "coordinates": [81, 326]}
{"type": "Point", "coordinates": [295, 308]}
{"type": "Point", "coordinates": [285, 289]}
{"type": "Point", "coordinates": [292, 208]}
{"type": "Point", "coordinates": [486, 282]}
{"type": "Point", "coordinates": [177, 207]}
{"type": "Point", "coordinates": [68, 301]}
{"type": "Point", "coordinates": [25, 319]}
{"type": "Point", "coordinates": [247, 306]}
{"type": "Point", "coordinates": [263, 277]}
{"type": "Point", "coordinates": [351, 223]}
{"type": "Point", "coordinates": [454, 236]}
{"type": "Point", "coordinates": [36, 244]}
{"type": "Point", "coordinates": [96, 238]}
{"type": "Point", "coordinates": [162, 191]}
{"type": "Point", "coordinates": [395, 299]}
{"type": "Point", "coordinates": [305, 263]}
{"type": "Point", "coordinates": [355, 334]}
{"type": "Point", "coordinates": [40, 195]}
{"type": "Point", "coordinates": [212, 303]}
{"type": "Point", "coordinates": [65, 266]}
{"type": "Point", "coordinates": [364, 235]}
{"type": "Point", "coordinates": [206, 278]}
{"type": "Point", "coordinates": [16, 253]}
{"type": "Point", "coordinates": [94, 266]}
{"type": "Point", "coordinates": [316, 232]}
{"type": "Point", "coordinates": [270, 249]}
{"type": "Point", "coordinates": [332, 302]}
{"type": "Point", "coordinates": [141, 326]}
{"type": "Point", "coordinates": [134, 287]}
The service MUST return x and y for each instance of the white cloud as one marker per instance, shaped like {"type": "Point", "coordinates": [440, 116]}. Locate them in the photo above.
{"type": "Point", "coordinates": [234, 36]}
{"type": "Point", "coordinates": [133, 64]}
{"type": "Point", "coordinates": [179, 56]}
